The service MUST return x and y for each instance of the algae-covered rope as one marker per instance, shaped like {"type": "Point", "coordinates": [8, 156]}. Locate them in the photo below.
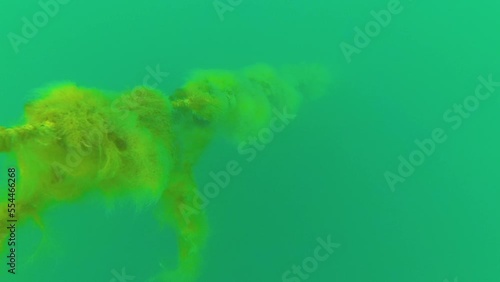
{"type": "Point", "coordinates": [146, 144]}
{"type": "Point", "coordinates": [9, 137]}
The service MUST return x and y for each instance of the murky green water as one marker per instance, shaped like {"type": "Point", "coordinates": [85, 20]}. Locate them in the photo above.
{"type": "Point", "coordinates": [397, 167]}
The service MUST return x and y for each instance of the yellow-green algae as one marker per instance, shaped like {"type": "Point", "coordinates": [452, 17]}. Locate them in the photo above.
{"type": "Point", "coordinates": [145, 143]}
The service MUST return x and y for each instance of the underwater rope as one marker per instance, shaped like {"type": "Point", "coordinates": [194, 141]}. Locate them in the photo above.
{"type": "Point", "coordinates": [145, 143]}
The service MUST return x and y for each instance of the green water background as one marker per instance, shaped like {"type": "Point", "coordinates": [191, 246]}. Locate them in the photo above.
{"type": "Point", "coordinates": [323, 175]}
